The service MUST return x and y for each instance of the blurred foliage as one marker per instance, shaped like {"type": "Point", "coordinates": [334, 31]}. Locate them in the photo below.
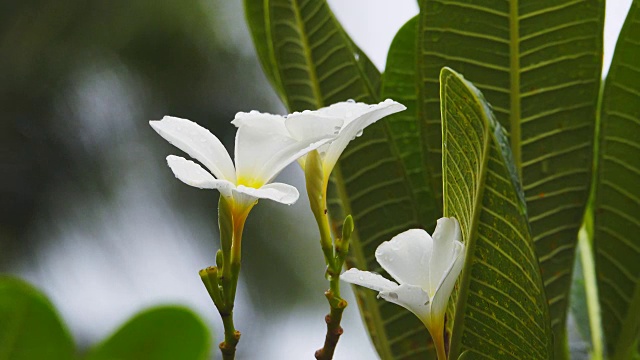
{"type": "Point", "coordinates": [31, 329]}
{"type": "Point", "coordinates": [29, 326]}
{"type": "Point", "coordinates": [163, 333]}
{"type": "Point", "coordinates": [166, 57]}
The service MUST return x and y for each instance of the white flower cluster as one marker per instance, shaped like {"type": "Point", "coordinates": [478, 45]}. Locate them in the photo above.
{"type": "Point", "coordinates": [266, 144]}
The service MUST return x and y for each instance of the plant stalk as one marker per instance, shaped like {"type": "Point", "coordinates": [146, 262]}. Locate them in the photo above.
{"type": "Point", "coordinates": [438, 341]}
{"type": "Point", "coordinates": [334, 252]}
{"type": "Point", "coordinates": [221, 280]}
{"type": "Point", "coordinates": [336, 303]}
{"type": "Point", "coordinates": [231, 336]}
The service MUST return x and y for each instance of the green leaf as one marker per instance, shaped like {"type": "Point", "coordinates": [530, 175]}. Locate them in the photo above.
{"type": "Point", "coordinates": [261, 33]}
{"type": "Point", "coordinates": [617, 195]}
{"type": "Point", "coordinates": [538, 63]}
{"type": "Point", "coordinates": [500, 304]}
{"type": "Point", "coordinates": [401, 83]}
{"type": "Point", "coordinates": [584, 291]}
{"type": "Point", "coordinates": [376, 179]}
{"type": "Point", "coordinates": [30, 328]}
{"type": "Point", "coordinates": [306, 53]}
{"type": "Point", "coordinates": [578, 301]}
{"type": "Point", "coordinates": [162, 333]}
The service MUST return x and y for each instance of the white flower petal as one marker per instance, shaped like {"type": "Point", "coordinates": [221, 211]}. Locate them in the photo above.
{"type": "Point", "coordinates": [282, 193]}
{"type": "Point", "coordinates": [361, 116]}
{"type": "Point", "coordinates": [347, 110]}
{"type": "Point", "coordinates": [310, 124]}
{"type": "Point", "coordinates": [193, 174]}
{"type": "Point", "coordinates": [199, 143]}
{"type": "Point", "coordinates": [262, 121]}
{"type": "Point", "coordinates": [368, 279]}
{"type": "Point", "coordinates": [411, 297]}
{"type": "Point", "coordinates": [445, 235]}
{"type": "Point", "coordinates": [261, 153]}
{"type": "Point", "coordinates": [441, 298]}
{"type": "Point", "coordinates": [406, 257]}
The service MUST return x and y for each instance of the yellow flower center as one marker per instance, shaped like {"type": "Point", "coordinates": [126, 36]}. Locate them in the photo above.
{"type": "Point", "coordinates": [250, 182]}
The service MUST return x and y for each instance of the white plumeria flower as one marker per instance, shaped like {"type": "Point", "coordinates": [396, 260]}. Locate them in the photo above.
{"type": "Point", "coordinates": [260, 154]}
{"type": "Point", "coordinates": [425, 268]}
{"type": "Point", "coordinates": [344, 121]}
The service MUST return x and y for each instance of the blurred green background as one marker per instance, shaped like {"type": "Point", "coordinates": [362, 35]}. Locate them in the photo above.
{"type": "Point", "coordinates": [89, 211]}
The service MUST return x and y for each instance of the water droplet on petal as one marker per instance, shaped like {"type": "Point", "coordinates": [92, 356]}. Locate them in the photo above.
{"type": "Point", "coordinates": [351, 101]}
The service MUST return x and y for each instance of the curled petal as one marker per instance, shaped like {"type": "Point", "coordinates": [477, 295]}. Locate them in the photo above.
{"type": "Point", "coordinates": [282, 193]}
{"type": "Point", "coordinates": [446, 234]}
{"type": "Point", "coordinates": [262, 153]}
{"type": "Point", "coordinates": [445, 287]}
{"type": "Point", "coordinates": [199, 143]}
{"type": "Point", "coordinates": [310, 124]}
{"type": "Point", "coordinates": [411, 297]}
{"type": "Point", "coordinates": [368, 279]}
{"type": "Point", "coordinates": [361, 116]}
{"type": "Point", "coordinates": [347, 110]}
{"type": "Point", "coordinates": [406, 257]}
{"type": "Point", "coordinates": [193, 174]}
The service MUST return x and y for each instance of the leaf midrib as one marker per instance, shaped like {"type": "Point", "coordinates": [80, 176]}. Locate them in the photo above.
{"type": "Point", "coordinates": [317, 94]}
{"type": "Point", "coordinates": [465, 278]}
{"type": "Point", "coordinates": [514, 74]}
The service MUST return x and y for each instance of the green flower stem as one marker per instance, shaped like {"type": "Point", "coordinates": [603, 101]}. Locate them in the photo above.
{"type": "Point", "coordinates": [334, 330]}
{"type": "Point", "coordinates": [334, 260]}
{"type": "Point", "coordinates": [334, 254]}
{"type": "Point", "coordinates": [225, 224]}
{"type": "Point", "coordinates": [231, 336]}
{"type": "Point", "coordinates": [336, 303]}
{"type": "Point", "coordinates": [236, 253]}
{"type": "Point", "coordinates": [333, 268]}
{"type": "Point", "coordinates": [438, 342]}
{"type": "Point", "coordinates": [212, 280]}
{"type": "Point", "coordinates": [221, 280]}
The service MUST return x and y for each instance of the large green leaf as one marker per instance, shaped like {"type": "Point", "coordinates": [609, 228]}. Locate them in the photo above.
{"type": "Point", "coordinates": [379, 178]}
{"type": "Point", "coordinates": [617, 194]}
{"type": "Point", "coordinates": [401, 83]}
{"type": "Point", "coordinates": [29, 326]}
{"type": "Point", "coordinates": [500, 305]}
{"type": "Point", "coordinates": [307, 56]}
{"type": "Point", "coordinates": [162, 333]}
{"type": "Point", "coordinates": [538, 63]}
